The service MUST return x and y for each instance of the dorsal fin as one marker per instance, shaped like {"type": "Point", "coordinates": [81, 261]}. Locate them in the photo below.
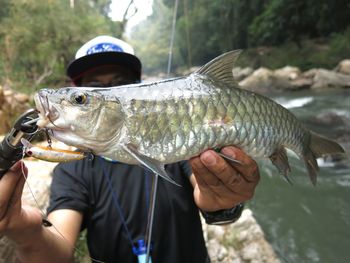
{"type": "Point", "coordinates": [220, 68]}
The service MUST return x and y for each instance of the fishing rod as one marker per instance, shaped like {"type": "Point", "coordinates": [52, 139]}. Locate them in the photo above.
{"type": "Point", "coordinates": [11, 147]}
{"type": "Point", "coordinates": [156, 176]}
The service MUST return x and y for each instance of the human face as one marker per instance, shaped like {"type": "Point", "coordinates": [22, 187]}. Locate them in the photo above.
{"type": "Point", "coordinates": [108, 76]}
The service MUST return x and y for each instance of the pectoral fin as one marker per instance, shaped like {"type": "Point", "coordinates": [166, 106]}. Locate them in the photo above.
{"type": "Point", "coordinates": [280, 159]}
{"type": "Point", "coordinates": [154, 165]}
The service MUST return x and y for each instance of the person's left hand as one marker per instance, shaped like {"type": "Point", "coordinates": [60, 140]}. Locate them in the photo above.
{"type": "Point", "coordinates": [219, 184]}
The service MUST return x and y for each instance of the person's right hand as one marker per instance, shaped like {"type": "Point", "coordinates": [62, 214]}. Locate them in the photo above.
{"type": "Point", "coordinates": [17, 222]}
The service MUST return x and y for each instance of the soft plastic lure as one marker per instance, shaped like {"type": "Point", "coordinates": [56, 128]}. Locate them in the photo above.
{"type": "Point", "coordinates": [50, 154]}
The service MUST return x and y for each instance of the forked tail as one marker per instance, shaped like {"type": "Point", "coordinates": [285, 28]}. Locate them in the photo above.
{"type": "Point", "coordinates": [318, 147]}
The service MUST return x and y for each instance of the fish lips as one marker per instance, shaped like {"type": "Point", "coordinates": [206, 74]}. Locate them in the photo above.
{"type": "Point", "coordinates": [47, 112]}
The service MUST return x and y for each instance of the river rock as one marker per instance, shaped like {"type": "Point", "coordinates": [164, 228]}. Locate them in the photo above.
{"type": "Point", "coordinates": [288, 72]}
{"type": "Point", "coordinates": [331, 118]}
{"type": "Point", "coordinates": [327, 79]}
{"type": "Point", "coordinates": [240, 242]}
{"type": "Point", "coordinates": [21, 98]}
{"type": "Point", "coordinates": [265, 81]}
{"type": "Point", "coordinates": [241, 73]}
{"type": "Point", "coordinates": [344, 67]}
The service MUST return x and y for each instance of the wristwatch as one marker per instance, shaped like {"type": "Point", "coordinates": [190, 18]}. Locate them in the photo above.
{"type": "Point", "coordinates": [224, 216]}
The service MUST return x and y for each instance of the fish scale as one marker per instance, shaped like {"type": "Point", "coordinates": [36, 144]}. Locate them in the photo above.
{"type": "Point", "coordinates": [191, 121]}
{"type": "Point", "coordinates": [153, 124]}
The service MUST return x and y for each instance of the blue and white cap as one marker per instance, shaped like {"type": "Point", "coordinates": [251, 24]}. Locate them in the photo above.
{"type": "Point", "coordinates": [100, 51]}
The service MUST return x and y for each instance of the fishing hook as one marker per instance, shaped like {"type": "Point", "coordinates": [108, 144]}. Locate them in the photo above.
{"type": "Point", "coordinates": [47, 112]}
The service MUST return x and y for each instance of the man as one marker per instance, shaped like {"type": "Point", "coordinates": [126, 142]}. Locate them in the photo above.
{"type": "Point", "coordinates": [111, 199]}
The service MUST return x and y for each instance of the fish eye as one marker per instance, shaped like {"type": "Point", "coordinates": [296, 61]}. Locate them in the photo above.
{"type": "Point", "coordinates": [79, 98]}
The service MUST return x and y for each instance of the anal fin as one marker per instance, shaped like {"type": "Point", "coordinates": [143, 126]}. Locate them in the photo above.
{"type": "Point", "coordinates": [280, 159]}
{"type": "Point", "coordinates": [152, 164]}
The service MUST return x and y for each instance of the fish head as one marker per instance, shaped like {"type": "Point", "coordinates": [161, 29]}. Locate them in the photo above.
{"type": "Point", "coordinates": [82, 117]}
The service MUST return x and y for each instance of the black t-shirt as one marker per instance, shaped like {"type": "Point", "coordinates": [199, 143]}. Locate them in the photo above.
{"type": "Point", "coordinates": [109, 194]}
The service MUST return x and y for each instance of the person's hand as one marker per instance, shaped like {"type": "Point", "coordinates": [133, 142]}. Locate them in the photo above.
{"type": "Point", "coordinates": [219, 184]}
{"type": "Point", "coordinates": [16, 222]}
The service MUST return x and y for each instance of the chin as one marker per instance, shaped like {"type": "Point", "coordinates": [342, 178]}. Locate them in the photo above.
{"type": "Point", "coordinates": [69, 138]}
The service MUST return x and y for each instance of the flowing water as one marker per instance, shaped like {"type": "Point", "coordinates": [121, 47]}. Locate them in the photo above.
{"type": "Point", "coordinates": [306, 223]}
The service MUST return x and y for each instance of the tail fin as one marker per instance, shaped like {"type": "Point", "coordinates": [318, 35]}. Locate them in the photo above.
{"type": "Point", "coordinates": [318, 147]}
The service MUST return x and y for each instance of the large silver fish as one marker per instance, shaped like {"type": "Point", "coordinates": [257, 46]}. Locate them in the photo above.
{"type": "Point", "coordinates": [176, 119]}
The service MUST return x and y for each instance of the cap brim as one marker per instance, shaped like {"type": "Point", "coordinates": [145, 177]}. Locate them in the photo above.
{"type": "Point", "coordinates": [78, 67]}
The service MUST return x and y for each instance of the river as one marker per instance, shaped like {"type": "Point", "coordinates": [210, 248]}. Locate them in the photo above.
{"type": "Point", "coordinates": [306, 223]}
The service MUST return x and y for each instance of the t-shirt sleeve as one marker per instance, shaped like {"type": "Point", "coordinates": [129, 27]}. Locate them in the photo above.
{"type": "Point", "coordinates": [69, 187]}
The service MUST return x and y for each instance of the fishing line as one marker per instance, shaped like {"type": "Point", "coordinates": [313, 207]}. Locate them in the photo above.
{"type": "Point", "coordinates": [46, 222]}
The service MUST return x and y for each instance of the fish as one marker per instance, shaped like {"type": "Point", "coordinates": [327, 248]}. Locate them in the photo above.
{"type": "Point", "coordinates": [153, 124]}
{"type": "Point", "coordinates": [50, 154]}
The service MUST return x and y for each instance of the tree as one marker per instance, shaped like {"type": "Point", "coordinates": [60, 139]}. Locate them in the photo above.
{"type": "Point", "coordinates": [294, 20]}
{"type": "Point", "coordinates": [40, 37]}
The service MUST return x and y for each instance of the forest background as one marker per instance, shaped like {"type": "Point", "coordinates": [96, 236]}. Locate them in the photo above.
{"type": "Point", "coordinates": [38, 38]}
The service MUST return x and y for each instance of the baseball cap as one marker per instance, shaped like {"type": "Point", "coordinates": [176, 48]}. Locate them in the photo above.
{"type": "Point", "coordinates": [101, 51]}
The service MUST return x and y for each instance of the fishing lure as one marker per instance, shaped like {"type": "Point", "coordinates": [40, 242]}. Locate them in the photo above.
{"type": "Point", "coordinates": [49, 154]}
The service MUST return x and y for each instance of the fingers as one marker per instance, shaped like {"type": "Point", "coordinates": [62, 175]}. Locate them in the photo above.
{"type": "Point", "coordinates": [11, 185]}
{"type": "Point", "coordinates": [16, 199]}
{"type": "Point", "coordinates": [248, 169]}
{"type": "Point", "coordinates": [212, 173]}
{"type": "Point", "coordinates": [221, 183]}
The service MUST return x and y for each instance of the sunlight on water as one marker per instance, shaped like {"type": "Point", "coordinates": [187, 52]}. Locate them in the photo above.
{"type": "Point", "coordinates": [294, 103]}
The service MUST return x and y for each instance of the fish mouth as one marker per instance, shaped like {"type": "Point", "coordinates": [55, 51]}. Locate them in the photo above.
{"type": "Point", "coordinates": [46, 111]}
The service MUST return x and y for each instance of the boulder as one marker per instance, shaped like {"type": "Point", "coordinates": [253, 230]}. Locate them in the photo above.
{"type": "Point", "coordinates": [21, 98]}
{"type": "Point", "coordinates": [288, 73]}
{"type": "Point", "coordinates": [242, 241]}
{"type": "Point", "coordinates": [343, 67]}
{"type": "Point", "coordinates": [265, 81]}
{"type": "Point", "coordinates": [241, 73]}
{"type": "Point", "coordinates": [327, 79]}
{"type": "Point", "coordinates": [301, 83]}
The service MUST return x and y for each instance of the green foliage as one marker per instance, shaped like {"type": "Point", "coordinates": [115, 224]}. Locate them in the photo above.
{"type": "Point", "coordinates": [294, 20]}
{"type": "Point", "coordinates": [313, 53]}
{"type": "Point", "coordinates": [206, 28]}
{"type": "Point", "coordinates": [151, 39]}
{"type": "Point", "coordinates": [81, 254]}
{"type": "Point", "coordinates": [40, 37]}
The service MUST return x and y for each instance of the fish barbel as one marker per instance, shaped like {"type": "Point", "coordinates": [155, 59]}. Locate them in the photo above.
{"type": "Point", "coordinates": [176, 119]}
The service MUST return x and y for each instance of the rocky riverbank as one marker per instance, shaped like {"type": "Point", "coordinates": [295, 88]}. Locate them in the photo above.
{"type": "Point", "coordinates": [289, 78]}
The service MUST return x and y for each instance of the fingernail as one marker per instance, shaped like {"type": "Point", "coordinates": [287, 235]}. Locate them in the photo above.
{"type": "Point", "coordinates": [229, 152]}
{"type": "Point", "coordinates": [15, 167]}
{"type": "Point", "coordinates": [208, 158]}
